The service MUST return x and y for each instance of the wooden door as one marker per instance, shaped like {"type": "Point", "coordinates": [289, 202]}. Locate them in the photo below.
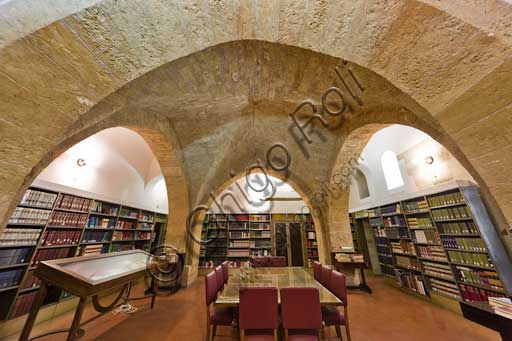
{"type": "Point", "coordinates": [296, 247]}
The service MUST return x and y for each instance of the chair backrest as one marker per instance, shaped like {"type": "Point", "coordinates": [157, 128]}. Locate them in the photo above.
{"type": "Point", "coordinates": [317, 270]}
{"type": "Point", "coordinates": [220, 277]}
{"type": "Point", "coordinates": [339, 286]}
{"type": "Point", "coordinates": [259, 261]}
{"type": "Point", "coordinates": [277, 261]}
{"type": "Point", "coordinates": [210, 286]}
{"type": "Point", "coordinates": [258, 308]}
{"type": "Point", "coordinates": [225, 271]}
{"type": "Point", "coordinates": [325, 276]}
{"type": "Point", "coordinates": [294, 313]}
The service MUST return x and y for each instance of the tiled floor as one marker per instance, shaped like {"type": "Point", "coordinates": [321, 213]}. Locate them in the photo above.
{"type": "Point", "coordinates": [387, 314]}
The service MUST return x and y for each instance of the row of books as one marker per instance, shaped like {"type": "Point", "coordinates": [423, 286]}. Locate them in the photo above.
{"type": "Point", "coordinates": [48, 254]}
{"type": "Point", "coordinates": [311, 235]}
{"type": "Point", "coordinates": [429, 236]}
{"type": "Point", "coordinates": [446, 288]}
{"type": "Point", "coordinates": [26, 215]}
{"type": "Point", "coordinates": [126, 224]}
{"type": "Point", "coordinates": [38, 198]}
{"type": "Point", "coordinates": [23, 304]}
{"type": "Point", "coordinates": [385, 260]}
{"type": "Point", "coordinates": [393, 221]}
{"type": "Point", "coordinates": [459, 227]}
{"type": "Point", "coordinates": [64, 237]}
{"type": "Point", "coordinates": [105, 208]}
{"type": "Point", "coordinates": [260, 244]}
{"type": "Point", "coordinates": [260, 234]}
{"type": "Point", "coordinates": [395, 233]}
{"type": "Point", "coordinates": [403, 246]}
{"type": "Point", "coordinates": [238, 234]}
{"type": "Point", "coordinates": [432, 252]}
{"type": "Point", "coordinates": [260, 217]}
{"type": "Point", "coordinates": [438, 269]}
{"type": "Point", "coordinates": [101, 222]}
{"type": "Point", "coordinates": [10, 278]}
{"type": "Point", "coordinates": [95, 236]}
{"type": "Point", "coordinates": [238, 217]}
{"type": "Point", "coordinates": [260, 226]}
{"type": "Point", "coordinates": [470, 244]}
{"type": "Point", "coordinates": [239, 226]}
{"type": "Point", "coordinates": [311, 243]}
{"type": "Point", "coordinates": [91, 250]}
{"type": "Point", "coordinates": [411, 281]}
{"type": "Point", "coordinates": [142, 235]}
{"type": "Point", "coordinates": [383, 249]}
{"type": "Point", "coordinates": [237, 253]}
{"type": "Point", "coordinates": [15, 256]}
{"type": "Point", "coordinates": [445, 199]}
{"type": "Point", "coordinates": [476, 259]}
{"type": "Point", "coordinates": [120, 247]}
{"type": "Point", "coordinates": [122, 235]}
{"type": "Point", "coordinates": [408, 262]}
{"type": "Point", "coordinates": [71, 202]}
{"type": "Point", "coordinates": [391, 209]}
{"type": "Point", "coordinates": [147, 216]}
{"type": "Point", "coordinates": [416, 206]}
{"type": "Point", "coordinates": [145, 226]}
{"type": "Point", "coordinates": [419, 222]}
{"type": "Point", "coordinates": [461, 212]}
{"type": "Point", "coordinates": [312, 253]}
{"type": "Point", "coordinates": [486, 278]}
{"type": "Point", "coordinates": [217, 217]}
{"type": "Point", "coordinates": [375, 222]}
{"type": "Point", "coordinates": [67, 219]}
{"type": "Point", "coordinates": [374, 212]}
{"type": "Point", "coordinates": [501, 306]}
{"type": "Point", "coordinates": [472, 294]}
{"type": "Point", "coordinates": [239, 243]}
{"type": "Point", "coordinates": [361, 214]}
{"type": "Point", "coordinates": [15, 236]}
{"type": "Point", "coordinates": [220, 234]}
{"type": "Point", "coordinates": [129, 212]}
{"type": "Point", "coordinates": [30, 281]}
{"type": "Point", "coordinates": [260, 253]}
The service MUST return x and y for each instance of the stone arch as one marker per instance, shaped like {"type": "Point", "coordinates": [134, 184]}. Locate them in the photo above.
{"type": "Point", "coordinates": [158, 134]}
{"type": "Point", "coordinates": [195, 230]}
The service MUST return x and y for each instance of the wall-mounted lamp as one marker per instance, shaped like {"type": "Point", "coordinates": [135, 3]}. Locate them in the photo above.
{"type": "Point", "coordinates": [429, 160]}
{"type": "Point", "coordinates": [81, 162]}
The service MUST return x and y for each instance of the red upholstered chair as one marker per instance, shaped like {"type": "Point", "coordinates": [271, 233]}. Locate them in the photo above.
{"type": "Point", "coordinates": [317, 269]}
{"type": "Point", "coordinates": [300, 323]}
{"type": "Point", "coordinates": [220, 278]}
{"type": "Point", "coordinates": [259, 262]}
{"type": "Point", "coordinates": [259, 314]}
{"type": "Point", "coordinates": [277, 261]}
{"type": "Point", "coordinates": [225, 271]}
{"type": "Point", "coordinates": [325, 276]}
{"type": "Point", "coordinates": [215, 316]}
{"type": "Point", "coordinates": [331, 315]}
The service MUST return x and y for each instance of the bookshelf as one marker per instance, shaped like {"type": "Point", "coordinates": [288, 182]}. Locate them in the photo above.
{"type": "Point", "coordinates": [442, 243]}
{"type": "Point", "coordinates": [237, 237]}
{"type": "Point", "coordinates": [50, 225]}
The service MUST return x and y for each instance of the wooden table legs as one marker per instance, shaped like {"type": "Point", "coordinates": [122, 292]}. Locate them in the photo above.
{"type": "Point", "coordinates": [36, 305]}
{"type": "Point", "coordinates": [75, 326]}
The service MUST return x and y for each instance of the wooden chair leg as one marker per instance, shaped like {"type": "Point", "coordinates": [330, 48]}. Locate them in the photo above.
{"type": "Point", "coordinates": [207, 323]}
{"type": "Point", "coordinates": [338, 331]}
{"type": "Point", "coordinates": [286, 335]}
{"type": "Point", "coordinates": [347, 329]}
{"type": "Point", "coordinates": [242, 335]}
{"type": "Point", "coordinates": [214, 330]}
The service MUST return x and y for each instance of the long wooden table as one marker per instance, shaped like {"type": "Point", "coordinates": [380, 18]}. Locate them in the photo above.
{"type": "Point", "coordinates": [271, 277]}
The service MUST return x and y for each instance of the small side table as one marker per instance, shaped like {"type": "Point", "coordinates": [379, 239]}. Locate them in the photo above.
{"type": "Point", "coordinates": [352, 265]}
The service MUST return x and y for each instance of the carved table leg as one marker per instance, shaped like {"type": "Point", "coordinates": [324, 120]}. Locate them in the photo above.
{"type": "Point", "coordinates": [75, 326]}
{"type": "Point", "coordinates": [36, 305]}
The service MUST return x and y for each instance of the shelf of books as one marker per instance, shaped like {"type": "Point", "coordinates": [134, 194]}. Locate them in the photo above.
{"type": "Point", "coordinates": [237, 237]}
{"type": "Point", "coordinates": [50, 225]}
{"type": "Point", "coordinates": [441, 243]}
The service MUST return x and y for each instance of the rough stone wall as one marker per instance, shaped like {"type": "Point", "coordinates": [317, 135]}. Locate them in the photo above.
{"type": "Point", "coordinates": [447, 64]}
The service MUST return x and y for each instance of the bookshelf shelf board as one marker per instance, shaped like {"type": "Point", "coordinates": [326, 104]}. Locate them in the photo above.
{"type": "Point", "coordinates": [462, 250]}
{"type": "Point", "coordinates": [125, 229]}
{"type": "Point", "coordinates": [313, 247]}
{"type": "Point", "coordinates": [37, 207]}
{"type": "Point", "coordinates": [260, 238]}
{"type": "Point", "coordinates": [444, 294]}
{"type": "Point", "coordinates": [16, 246]}
{"type": "Point", "coordinates": [407, 268]}
{"type": "Point", "coordinates": [450, 279]}
{"type": "Point", "coordinates": [403, 254]}
{"type": "Point", "coordinates": [142, 240]}
{"type": "Point", "coordinates": [434, 259]}
{"type": "Point", "coordinates": [122, 241]}
{"type": "Point", "coordinates": [430, 244]}
{"type": "Point", "coordinates": [56, 246]}
{"type": "Point", "coordinates": [397, 238]}
{"type": "Point", "coordinates": [259, 229]}
{"type": "Point", "coordinates": [92, 243]}
{"type": "Point", "coordinates": [230, 256]}
{"type": "Point", "coordinates": [391, 214]}
{"type": "Point", "coordinates": [23, 291]}
{"type": "Point", "coordinates": [217, 228]}
{"type": "Point", "coordinates": [9, 288]}
{"type": "Point", "coordinates": [460, 234]}
{"type": "Point", "coordinates": [65, 227]}
{"type": "Point", "coordinates": [448, 205]}
{"type": "Point", "coordinates": [10, 266]}
{"type": "Point", "coordinates": [261, 248]}
{"type": "Point", "coordinates": [417, 212]}
{"type": "Point", "coordinates": [69, 210]}
{"type": "Point", "coordinates": [387, 265]}
{"type": "Point", "coordinates": [482, 287]}
{"type": "Point", "coordinates": [453, 219]}
{"type": "Point", "coordinates": [421, 227]}
{"type": "Point", "coordinates": [473, 266]}
{"type": "Point", "coordinates": [127, 217]}
{"type": "Point", "coordinates": [146, 221]}
{"type": "Point", "coordinates": [259, 221]}
{"type": "Point", "coordinates": [104, 214]}
{"type": "Point", "coordinates": [238, 248]}
{"type": "Point", "coordinates": [313, 257]}
{"type": "Point", "coordinates": [390, 276]}
{"type": "Point", "coordinates": [232, 229]}
{"type": "Point", "coordinates": [26, 224]}
{"type": "Point", "coordinates": [240, 238]}
{"type": "Point", "coordinates": [383, 255]}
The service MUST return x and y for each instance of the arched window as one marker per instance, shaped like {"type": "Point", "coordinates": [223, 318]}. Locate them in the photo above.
{"type": "Point", "coordinates": [391, 170]}
{"type": "Point", "coordinates": [362, 184]}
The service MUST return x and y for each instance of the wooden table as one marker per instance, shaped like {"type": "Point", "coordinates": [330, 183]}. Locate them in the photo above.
{"type": "Point", "coordinates": [482, 313]}
{"type": "Point", "coordinates": [271, 277]}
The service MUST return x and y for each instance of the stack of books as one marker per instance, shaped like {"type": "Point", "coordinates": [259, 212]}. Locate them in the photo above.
{"type": "Point", "coordinates": [502, 306]}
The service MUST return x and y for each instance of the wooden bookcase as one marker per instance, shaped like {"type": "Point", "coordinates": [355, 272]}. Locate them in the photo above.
{"type": "Point", "coordinates": [442, 243]}
{"type": "Point", "coordinates": [237, 237]}
{"type": "Point", "coordinates": [50, 225]}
